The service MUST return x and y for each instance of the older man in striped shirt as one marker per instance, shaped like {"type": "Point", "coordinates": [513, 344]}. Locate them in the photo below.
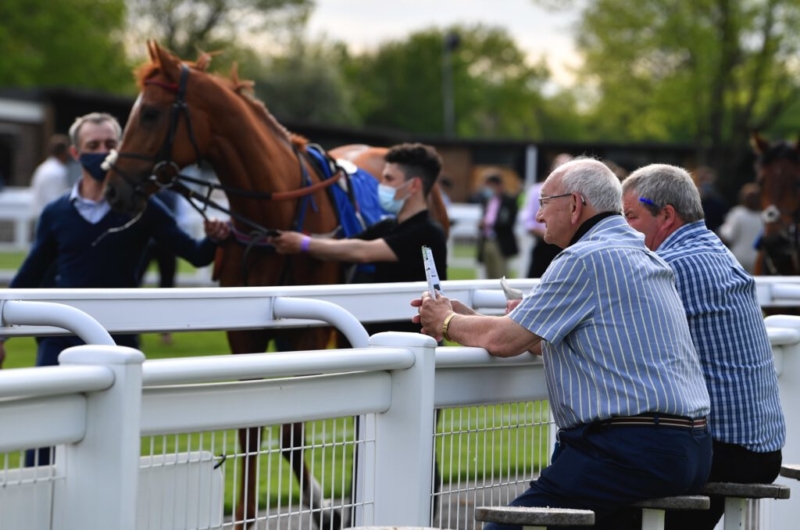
{"type": "Point", "coordinates": [747, 424]}
{"type": "Point", "coordinates": [624, 381]}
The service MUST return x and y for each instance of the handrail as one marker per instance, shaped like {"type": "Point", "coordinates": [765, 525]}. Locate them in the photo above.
{"type": "Point", "coordinates": [54, 380]}
{"type": "Point", "coordinates": [17, 312]}
{"type": "Point", "coordinates": [333, 314]}
{"type": "Point", "coordinates": [228, 368]}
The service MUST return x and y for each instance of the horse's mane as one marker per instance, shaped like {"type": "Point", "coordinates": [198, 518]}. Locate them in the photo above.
{"type": "Point", "coordinates": [240, 87]}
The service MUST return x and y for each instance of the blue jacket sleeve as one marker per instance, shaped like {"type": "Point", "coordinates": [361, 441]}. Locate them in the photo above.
{"type": "Point", "coordinates": [164, 229]}
{"type": "Point", "coordinates": [41, 259]}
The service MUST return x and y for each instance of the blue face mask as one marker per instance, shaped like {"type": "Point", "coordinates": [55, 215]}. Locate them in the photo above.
{"type": "Point", "coordinates": [387, 201]}
{"type": "Point", "coordinates": [92, 163]}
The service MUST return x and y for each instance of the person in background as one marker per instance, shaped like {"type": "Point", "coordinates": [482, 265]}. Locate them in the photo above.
{"type": "Point", "coordinates": [727, 327]}
{"type": "Point", "coordinates": [75, 239]}
{"type": "Point", "coordinates": [542, 252]}
{"type": "Point", "coordinates": [743, 226]}
{"type": "Point", "coordinates": [496, 239]}
{"type": "Point", "coordinates": [392, 245]}
{"type": "Point", "coordinates": [714, 205]}
{"type": "Point", "coordinates": [619, 400]}
{"type": "Point", "coordinates": [50, 180]}
{"type": "Point", "coordinates": [446, 187]}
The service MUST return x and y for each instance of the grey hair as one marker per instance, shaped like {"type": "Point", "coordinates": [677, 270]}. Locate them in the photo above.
{"type": "Point", "coordinates": [93, 117]}
{"type": "Point", "coordinates": [593, 180]}
{"type": "Point", "coordinates": [663, 184]}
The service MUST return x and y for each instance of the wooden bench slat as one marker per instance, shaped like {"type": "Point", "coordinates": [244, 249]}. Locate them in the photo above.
{"type": "Point", "coordinates": [790, 471]}
{"type": "Point", "coordinates": [519, 515]}
{"type": "Point", "coordinates": [682, 502]}
{"type": "Point", "coordinates": [747, 491]}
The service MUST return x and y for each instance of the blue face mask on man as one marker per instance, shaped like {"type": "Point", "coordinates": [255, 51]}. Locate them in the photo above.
{"type": "Point", "coordinates": [92, 163]}
{"type": "Point", "coordinates": [386, 198]}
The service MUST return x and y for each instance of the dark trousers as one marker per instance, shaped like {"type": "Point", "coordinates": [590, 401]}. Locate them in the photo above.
{"type": "Point", "coordinates": [605, 468]}
{"type": "Point", "coordinates": [47, 353]}
{"type": "Point", "coordinates": [731, 463]}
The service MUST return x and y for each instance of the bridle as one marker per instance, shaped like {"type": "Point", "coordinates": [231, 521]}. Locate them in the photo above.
{"type": "Point", "coordinates": [786, 241]}
{"type": "Point", "coordinates": [166, 173]}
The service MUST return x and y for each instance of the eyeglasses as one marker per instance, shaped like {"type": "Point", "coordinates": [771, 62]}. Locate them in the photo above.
{"type": "Point", "coordinates": [544, 200]}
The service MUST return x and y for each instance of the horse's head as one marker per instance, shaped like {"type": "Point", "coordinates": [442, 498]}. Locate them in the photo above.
{"type": "Point", "coordinates": [166, 130]}
{"type": "Point", "coordinates": [778, 170]}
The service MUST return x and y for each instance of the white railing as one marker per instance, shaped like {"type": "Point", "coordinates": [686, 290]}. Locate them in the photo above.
{"type": "Point", "coordinates": [112, 399]}
{"type": "Point", "coordinates": [16, 210]}
{"type": "Point", "coordinates": [464, 376]}
{"type": "Point", "coordinates": [200, 309]}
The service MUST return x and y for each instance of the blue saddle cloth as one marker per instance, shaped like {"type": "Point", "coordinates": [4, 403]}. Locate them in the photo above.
{"type": "Point", "coordinates": [354, 217]}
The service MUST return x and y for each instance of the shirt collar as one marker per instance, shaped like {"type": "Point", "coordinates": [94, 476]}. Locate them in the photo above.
{"type": "Point", "coordinates": [684, 232]}
{"type": "Point", "coordinates": [75, 195]}
{"type": "Point", "coordinates": [589, 224]}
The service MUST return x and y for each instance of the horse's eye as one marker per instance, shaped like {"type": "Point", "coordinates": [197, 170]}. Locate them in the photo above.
{"type": "Point", "coordinates": [149, 115]}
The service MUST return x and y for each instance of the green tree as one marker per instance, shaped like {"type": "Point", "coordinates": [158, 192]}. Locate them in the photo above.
{"type": "Point", "coordinates": [497, 93]}
{"type": "Point", "coordinates": [74, 43]}
{"type": "Point", "coordinates": [186, 26]}
{"type": "Point", "coordinates": [703, 71]}
{"type": "Point", "coordinates": [306, 85]}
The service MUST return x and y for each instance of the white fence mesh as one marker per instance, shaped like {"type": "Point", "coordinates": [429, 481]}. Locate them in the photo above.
{"type": "Point", "coordinates": [487, 456]}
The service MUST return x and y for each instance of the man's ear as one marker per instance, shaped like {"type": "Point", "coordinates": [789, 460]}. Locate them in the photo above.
{"type": "Point", "coordinates": [74, 152]}
{"type": "Point", "coordinates": [671, 218]}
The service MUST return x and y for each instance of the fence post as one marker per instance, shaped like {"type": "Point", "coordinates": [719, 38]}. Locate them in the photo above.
{"type": "Point", "coordinates": [403, 472]}
{"type": "Point", "coordinates": [101, 471]}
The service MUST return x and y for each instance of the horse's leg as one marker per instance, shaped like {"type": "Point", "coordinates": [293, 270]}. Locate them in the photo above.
{"type": "Point", "coordinates": [250, 438]}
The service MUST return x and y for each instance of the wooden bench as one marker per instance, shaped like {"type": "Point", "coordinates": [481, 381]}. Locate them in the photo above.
{"type": "Point", "coordinates": [534, 518]}
{"type": "Point", "coordinates": [790, 471]}
{"type": "Point", "coordinates": [736, 497]}
{"type": "Point", "coordinates": [654, 510]}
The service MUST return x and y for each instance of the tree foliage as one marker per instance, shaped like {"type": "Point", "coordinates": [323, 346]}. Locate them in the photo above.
{"type": "Point", "coordinates": [186, 26]}
{"type": "Point", "coordinates": [705, 71]}
{"type": "Point", "coordinates": [306, 85]}
{"type": "Point", "coordinates": [75, 43]}
{"type": "Point", "coordinates": [496, 92]}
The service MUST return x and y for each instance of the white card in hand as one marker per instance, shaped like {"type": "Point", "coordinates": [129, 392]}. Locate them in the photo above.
{"type": "Point", "coordinates": [510, 292]}
{"type": "Point", "coordinates": [430, 272]}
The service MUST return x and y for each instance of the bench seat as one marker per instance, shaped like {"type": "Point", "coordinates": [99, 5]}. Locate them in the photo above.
{"type": "Point", "coordinates": [534, 517]}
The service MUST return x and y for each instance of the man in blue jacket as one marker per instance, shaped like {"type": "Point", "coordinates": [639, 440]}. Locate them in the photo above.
{"type": "Point", "coordinates": [77, 244]}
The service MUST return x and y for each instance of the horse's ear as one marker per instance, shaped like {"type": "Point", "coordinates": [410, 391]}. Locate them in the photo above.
{"type": "Point", "coordinates": [151, 50]}
{"type": "Point", "coordinates": [758, 143]}
{"type": "Point", "coordinates": [169, 64]}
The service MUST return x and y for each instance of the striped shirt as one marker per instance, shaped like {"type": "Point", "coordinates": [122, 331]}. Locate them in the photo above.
{"type": "Point", "coordinates": [616, 341]}
{"type": "Point", "coordinates": [730, 337]}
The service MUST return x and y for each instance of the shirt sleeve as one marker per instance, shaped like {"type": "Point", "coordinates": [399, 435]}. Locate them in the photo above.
{"type": "Point", "coordinates": [164, 229]}
{"type": "Point", "coordinates": [42, 255]}
{"type": "Point", "coordinates": [563, 300]}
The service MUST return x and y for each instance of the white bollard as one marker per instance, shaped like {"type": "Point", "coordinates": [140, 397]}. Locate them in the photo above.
{"type": "Point", "coordinates": [101, 472]}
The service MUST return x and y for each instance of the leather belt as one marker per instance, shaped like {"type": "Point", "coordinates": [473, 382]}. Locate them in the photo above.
{"type": "Point", "coordinates": [656, 419]}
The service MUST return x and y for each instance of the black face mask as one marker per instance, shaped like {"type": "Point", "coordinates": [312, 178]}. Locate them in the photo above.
{"type": "Point", "coordinates": [92, 163]}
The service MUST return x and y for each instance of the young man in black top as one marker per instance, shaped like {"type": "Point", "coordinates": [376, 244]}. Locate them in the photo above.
{"type": "Point", "coordinates": [392, 245]}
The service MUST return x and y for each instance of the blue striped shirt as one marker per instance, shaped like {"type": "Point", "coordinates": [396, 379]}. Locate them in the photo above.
{"type": "Point", "coordinates": [730, 337]}
{"type": "Point", "coordinates": [616, 341]}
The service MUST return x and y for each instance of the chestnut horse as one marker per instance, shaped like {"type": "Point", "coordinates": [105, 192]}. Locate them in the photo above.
{"type": "Point", "coordinates": [778, 175]}
{"type": "Point", "coordinates": [184, 115]}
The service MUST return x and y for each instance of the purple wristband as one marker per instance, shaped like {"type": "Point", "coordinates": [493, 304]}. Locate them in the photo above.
{"type": "Point", "coordinates": [304, 244]}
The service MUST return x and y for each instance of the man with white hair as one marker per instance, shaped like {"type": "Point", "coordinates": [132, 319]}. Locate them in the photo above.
{"type": "Point", "coordinates": [728, 331]}
{"type": "Point", "coordinates": [623, 378]}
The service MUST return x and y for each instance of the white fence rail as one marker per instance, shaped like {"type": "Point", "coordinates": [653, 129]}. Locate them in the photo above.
{"type": "Point", "coordinates": [102, 388]}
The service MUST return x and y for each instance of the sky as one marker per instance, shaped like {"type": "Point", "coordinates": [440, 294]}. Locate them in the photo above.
{"type": "Point", "coordinates": [364, 24]}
